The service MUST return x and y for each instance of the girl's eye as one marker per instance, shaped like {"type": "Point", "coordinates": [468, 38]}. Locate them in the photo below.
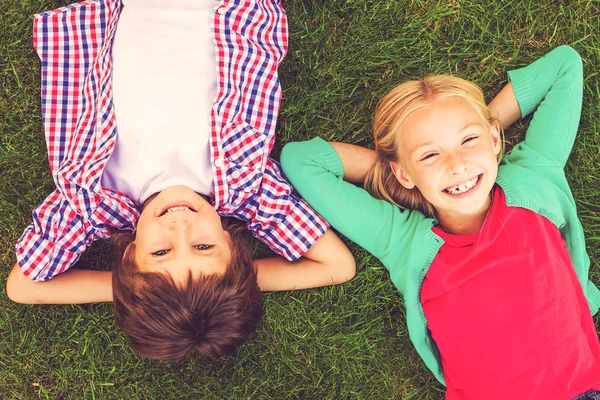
{"type": "Point", "coordinates": [203, 246]}
{"type": "Point", "coordinates": [428, 156]}
{"type": "Point", "coordinates": [160, 253]}
{"type": "Point", "coordinates": [469, 139]}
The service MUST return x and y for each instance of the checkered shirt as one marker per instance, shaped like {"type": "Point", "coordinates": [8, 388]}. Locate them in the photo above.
{"type": "Point", "coordinates": [74, 44]}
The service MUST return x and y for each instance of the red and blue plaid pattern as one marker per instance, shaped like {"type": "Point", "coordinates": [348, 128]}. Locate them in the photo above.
{"type": "Point", "coordinates": [74, 44]}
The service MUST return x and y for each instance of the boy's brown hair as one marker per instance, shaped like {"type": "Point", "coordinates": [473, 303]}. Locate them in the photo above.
{"type": "Point", "coordinates": [209, 314]}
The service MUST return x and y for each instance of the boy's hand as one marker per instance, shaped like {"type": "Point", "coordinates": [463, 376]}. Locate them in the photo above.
{"type": "Point", "coordinates": [75, 286]}
{"type": "Point", "coordinates": [327, 262]}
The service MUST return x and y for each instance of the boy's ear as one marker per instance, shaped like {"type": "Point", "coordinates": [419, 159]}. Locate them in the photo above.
{"type": "Point", "coordinates": [229, 239]}
{"type": "Point", "coordinates": [496, 138]}
{"type": "Point", "coordinates": [401, 175]}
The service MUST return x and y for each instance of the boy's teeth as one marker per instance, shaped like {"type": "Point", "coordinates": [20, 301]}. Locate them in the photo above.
{"type": "Point", "coordinates": [178, 208]}
{"type": "Point", "coordinates": [464, 187]}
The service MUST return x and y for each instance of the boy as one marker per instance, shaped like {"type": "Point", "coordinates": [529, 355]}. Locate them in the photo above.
{"type": "Point", "coordinates": [153, 69]}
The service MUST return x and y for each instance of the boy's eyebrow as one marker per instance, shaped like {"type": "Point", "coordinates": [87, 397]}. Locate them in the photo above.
{"type": "Point", "coordinates": [161, 260]}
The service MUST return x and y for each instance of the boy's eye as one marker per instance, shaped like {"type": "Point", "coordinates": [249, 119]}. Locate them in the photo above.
{"type": "Point", "coordinates": [160, 253]}
{"type": "Point", "coordinates": [203, 246]}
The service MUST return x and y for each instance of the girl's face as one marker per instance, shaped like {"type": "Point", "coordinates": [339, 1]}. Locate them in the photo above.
{"type": "Point", "coordinates": [179, 232]}
{"type": "Point", "coordinates": [448, 151]}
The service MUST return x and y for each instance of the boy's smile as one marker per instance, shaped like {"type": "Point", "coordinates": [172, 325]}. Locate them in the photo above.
{"type": "Point", "coordinates": [449, 152]}
{"type": "Point", "coordinates": [180, 232]}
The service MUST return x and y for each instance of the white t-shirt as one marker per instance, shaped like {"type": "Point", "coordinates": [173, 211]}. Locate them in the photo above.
{"type": "Point", "coordinates": [164, 83]}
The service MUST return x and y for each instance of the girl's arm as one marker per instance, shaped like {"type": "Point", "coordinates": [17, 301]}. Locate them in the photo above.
{"type": "Point", "coordinates": [505, 107]}
{"type": "Point", "coordinates": [74, 286]}
{"type": "Point", "coordinates": [327, 262]}
{"type": "Point", "coordinates": [317, 171]}
{"type": "Point", "coordinates": [356, 161]}
{"type": "Point", "coordinates": [552, 89]}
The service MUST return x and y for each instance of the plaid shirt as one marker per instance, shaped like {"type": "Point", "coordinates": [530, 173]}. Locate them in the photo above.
{"type": "Point", "coordinates": [74, 44]}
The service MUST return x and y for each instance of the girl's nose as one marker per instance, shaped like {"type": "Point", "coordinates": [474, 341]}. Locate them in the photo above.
{"type": "Point", "coordinates": [456, 164]}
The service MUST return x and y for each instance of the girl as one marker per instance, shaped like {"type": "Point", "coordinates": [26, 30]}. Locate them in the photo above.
{"type": "Point", "coordinates": [193, 88]}
{"type": "Point", "coordinates": [490, 258]}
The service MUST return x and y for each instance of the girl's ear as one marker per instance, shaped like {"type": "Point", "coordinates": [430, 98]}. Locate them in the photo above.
{"type": "Point", "coordinates": [496, 138]}
{"type": "Point", "coordinates": [401, 175]}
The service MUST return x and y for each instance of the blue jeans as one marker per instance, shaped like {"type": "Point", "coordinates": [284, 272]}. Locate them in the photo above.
{"type": "Point", "coordinates": [590, 395]}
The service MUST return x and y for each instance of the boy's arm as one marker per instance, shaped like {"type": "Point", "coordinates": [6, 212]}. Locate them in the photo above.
{"type": "Point", "coordinates": [327, 262]}
{"type": "Point", "coordinates": [75, 286]}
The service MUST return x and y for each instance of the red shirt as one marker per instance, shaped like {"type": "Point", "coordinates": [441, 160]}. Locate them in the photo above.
{"type": "Point", "coordinates": [508, 313]}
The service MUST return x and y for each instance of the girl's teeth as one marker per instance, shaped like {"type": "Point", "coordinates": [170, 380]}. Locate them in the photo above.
{"type": "Point", "coordinates": [178, 208]}
{"type": "Point", "coordinates": [464, 187]}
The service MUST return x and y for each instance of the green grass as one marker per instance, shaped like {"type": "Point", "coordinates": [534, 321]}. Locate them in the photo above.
{"type": "Point", "coordinates": [342, 342]}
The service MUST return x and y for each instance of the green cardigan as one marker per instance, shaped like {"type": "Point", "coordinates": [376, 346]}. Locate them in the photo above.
{"type": "Point", "coordinates": [532, 176]}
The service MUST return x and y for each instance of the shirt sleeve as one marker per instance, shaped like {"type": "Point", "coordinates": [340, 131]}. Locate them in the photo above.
{"type": "Point", "coordinates": [316, 171]}
{"type": "Point", "coordinates": [551, 88]}
{"type": "Point", "coordinates": [53, 242]}
{"type": "Point", "coordinates": [282, 220]}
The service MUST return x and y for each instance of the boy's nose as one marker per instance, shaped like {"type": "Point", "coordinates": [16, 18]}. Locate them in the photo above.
{"type": "Point", "coordinates": [179, 224]}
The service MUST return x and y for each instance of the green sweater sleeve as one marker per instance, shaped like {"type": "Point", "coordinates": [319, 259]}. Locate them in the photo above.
{"type": "Point", "coordinates": [551, 88]}
{"type": "Point", "coordinates": [316, 171]}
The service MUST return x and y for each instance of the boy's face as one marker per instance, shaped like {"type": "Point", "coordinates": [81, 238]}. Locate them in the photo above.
{"type": "Point", "coordinates": [178, 232]}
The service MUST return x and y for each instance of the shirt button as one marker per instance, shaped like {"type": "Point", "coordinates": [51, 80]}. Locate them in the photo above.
{"type": "Point", "coordinates": [219, 162]}
{"type": "Point", "coordinates": [221, 10]}
{"type": "Point", "coordinates": [509, 200]}
{"type": "Point", "coordinates": [236, 174]}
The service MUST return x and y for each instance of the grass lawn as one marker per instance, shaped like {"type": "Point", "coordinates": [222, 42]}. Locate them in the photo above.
{"type": "Point", "coordinates": [344, 342]}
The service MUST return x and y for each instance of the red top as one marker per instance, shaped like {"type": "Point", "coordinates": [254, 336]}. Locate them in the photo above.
{"type": "Point", "coordinates": [508, 313]}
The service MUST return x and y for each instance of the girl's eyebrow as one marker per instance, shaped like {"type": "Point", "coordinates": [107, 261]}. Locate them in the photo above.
{"type": "Point", "coordinates": [467, 126]}
{"type": "Point", "coordinates": [464, 128]}
{"type": "Point", "coordinates": [421, 146]}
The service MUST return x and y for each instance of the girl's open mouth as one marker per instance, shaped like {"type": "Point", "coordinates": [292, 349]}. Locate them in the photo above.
{"type": "Point", "coordinates": [464, 188]}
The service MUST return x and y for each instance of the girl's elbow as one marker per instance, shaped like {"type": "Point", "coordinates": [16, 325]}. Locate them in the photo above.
{"type": "Point", "coordinates": [287, 157]}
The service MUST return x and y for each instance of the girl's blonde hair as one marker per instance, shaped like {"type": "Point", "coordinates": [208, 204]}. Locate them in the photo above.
{"type": "Point", "coordinates": [391, 113]}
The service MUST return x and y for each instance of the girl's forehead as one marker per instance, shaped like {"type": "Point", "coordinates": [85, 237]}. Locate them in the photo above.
{"type": "Point", "coordinates": [436, 121]}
